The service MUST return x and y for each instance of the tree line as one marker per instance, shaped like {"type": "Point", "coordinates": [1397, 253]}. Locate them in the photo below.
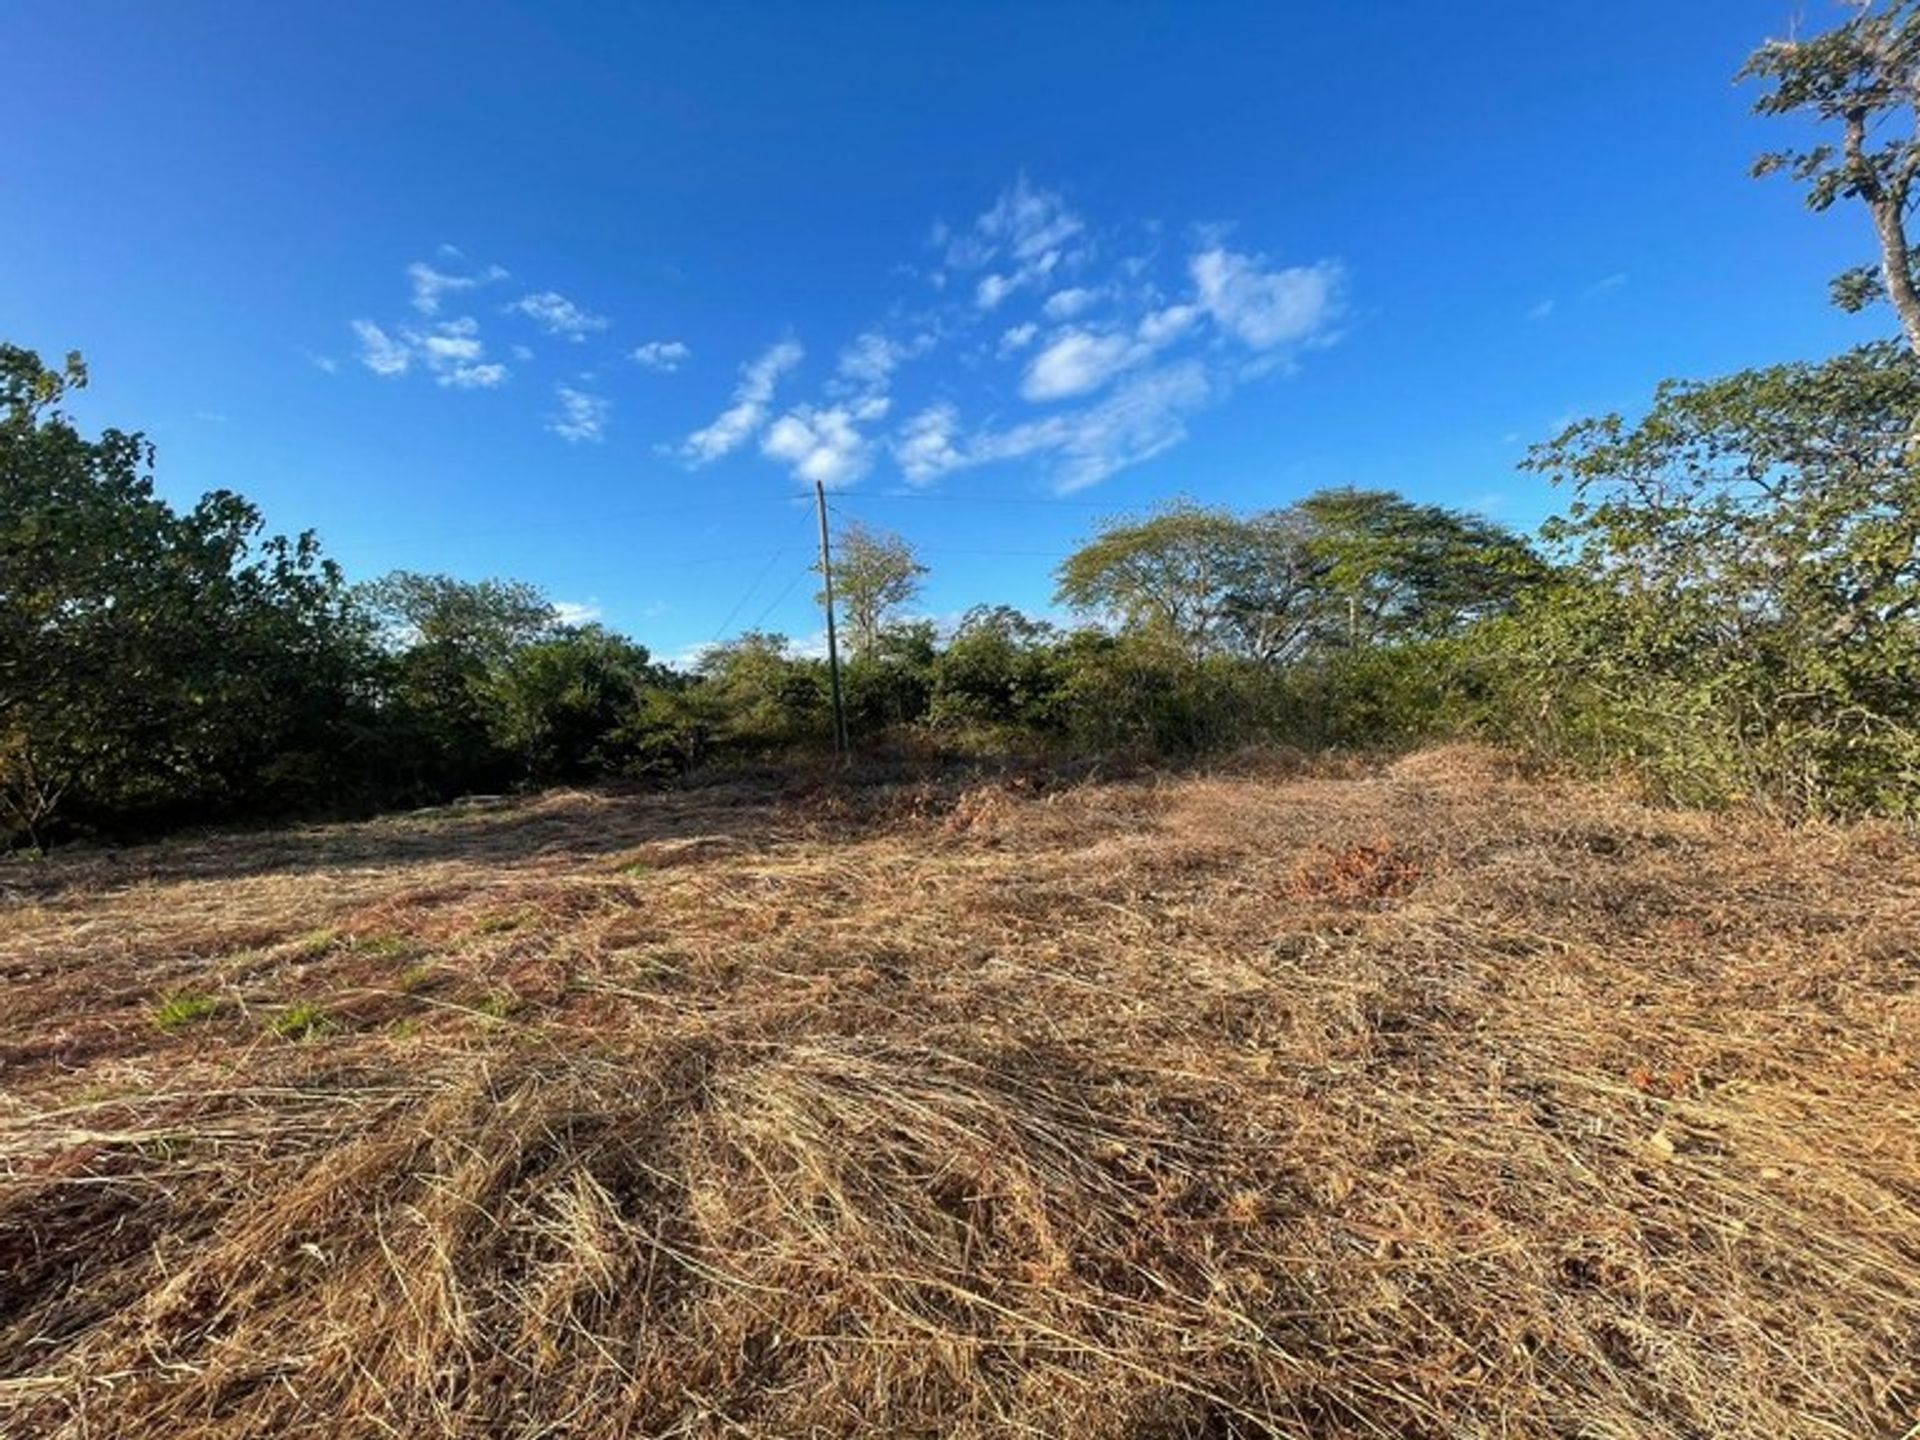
{"type": "Point", "coordinates": [1729, 605]}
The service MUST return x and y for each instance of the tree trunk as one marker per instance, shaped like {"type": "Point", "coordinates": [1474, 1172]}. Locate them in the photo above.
{"type": "Point", "coordinates": [1896, 269]}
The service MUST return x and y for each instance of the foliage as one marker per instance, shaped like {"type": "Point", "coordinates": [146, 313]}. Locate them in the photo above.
{"type": "Point", "coordinates": [559, 705]}
{"type": "Point", "coordinates": [760, 698]}
{"type": "Point", "coordinates": [875, 574]}
{"type": "Point", "coordinates": [1746, 609]}
{"type": "Point", "coordinates": [1000, 669]}
{"type": "Point", "coordinates": [1340, 568]}
{"type": "Point", "coordinates": [1862, 76]}
{"type": "Point", "coordinates": [153, 662]}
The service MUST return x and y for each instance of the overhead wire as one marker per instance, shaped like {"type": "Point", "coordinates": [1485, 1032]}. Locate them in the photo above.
{"type": "Point", "coordinates": [758, 579]}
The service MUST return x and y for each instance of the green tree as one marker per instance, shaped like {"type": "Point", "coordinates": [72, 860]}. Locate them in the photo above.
{"type": "Point", "coordinates": [1746, 611]}
{"type": "Point", "coordinates": [484, 620]}
{"type": "Point", "coordinates": [1000, 669]}
{"type": "Point", "coordinates": [1387, 569]}
{"type": "Point", "coordinates": [1341, 567]}
{"type": "Point", "coordinates": [760, 697]}
{"type": "Point", "coordinates": [446, 640]}
{"type": "Point", "coordinates": [1862, 78]}
{"type": "Point", "coordinates": [875, 574]}
{"type": "Point", "coordinates": [153, 662]}
{"type": "Point", "coordinates": [1203, 580]}
{"type": "Point", "coordinates": [564, 705]}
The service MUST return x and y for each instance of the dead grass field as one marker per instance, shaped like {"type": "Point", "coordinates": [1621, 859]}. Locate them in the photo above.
{"type": "Point", "coordinates": [1423, 1099]}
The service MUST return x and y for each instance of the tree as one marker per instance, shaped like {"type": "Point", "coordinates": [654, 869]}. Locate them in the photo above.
{"type": "Point", "coordinates": [998, 669]}
{"type": "Point", "coordinates": [446, 640]}
{"type": "Point", "coordinates": [1863, 77]}
{"type": "Point", "coordinates": [1201, 579]}
{"type": "Point", "coordinates": [1389, 569]}
{"type": "Point", "coordinates": [875, 573]}
{"type": "Point", "coordinates": [1340, 568]}
{"type": "Point", "coordinates": [756, 695]}
{"type": "Point", "coordinates": [486, 620]}
{"type": "Point", "coordinates": [561, 705]}
{"type": "Point", "coordinates": [1748, 589]}
{"type": "Point", "coordinates": [152, 661]}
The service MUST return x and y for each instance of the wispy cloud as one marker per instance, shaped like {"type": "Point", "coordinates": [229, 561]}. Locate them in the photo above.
{"type": "Point", "coordinates": [1545, 309]}
{"type": "Point", "coordinates": [450, 351]}
{"type": "Point", "coordinates": [557, 315]}
{"type": "Point", "coordinates": [1121, 354]}
{"type": "Point", "coordinates": [1265, 308]}
{"type": "Point", "coordinates": [1065, 304]}
{"type": "Point", "coordinates": [577, 612]}
{"type": "Point", "coordinates": [741, 420]}
{"type": "Point", "coordinates": [1078, 362]}
{"type": "Point", "coordinates": [379, 351]}
{"type": "Point", "coordinates": [582, 416]}
{"type": "Point", "coordinates": [667, 355]}
{"type": "Point", "coordinates": [1021, 240]}
{"type": "Point", "coordinates": [1142, 418]}
{"type": "Point", "coordinates": [927, 447]}
{"type": "Point", "coordinates": [1017, 337]}
{"type": "Point", "coordinates": [430, 285]}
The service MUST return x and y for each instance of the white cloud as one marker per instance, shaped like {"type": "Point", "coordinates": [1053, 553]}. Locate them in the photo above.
{"type": "Point", "coordinates": [1265, 308]}
{"type": "Point", "coordinates": [1017, 337]}
{"type": "Point", "coordinates": [379, 351]}
{"type": "Point", "coordinates": [821, 444]}
{"type": "Point", "coordinates": [1541, 310]}
{"type": "Point", "coordinates": [1024, 236]}
{"type": "Point", "coordinates": [451, 352]}
{"type": "Point", "coordinates": [1076, 362]}
{"type": "Point", "coordinates": [430, 284]}
{"type": "Point", "coordinates": [871, 360]}
{"type": "Point", "coordinates": [576, 612]}
{"type": "Point", "coordinates": [667, 355]}
{"type": "Point", "coordinates": [582, 416]}
{"type": "Point", "coordinates": [925, 448]}
{"type": "Point", "coordinates": [521, 352]}
{"type": "Point", "coordinates": [449, 347]}
{"type": "Point", "coordinates": [558, 315]}
{"type": "Point", "coordinates": [1606, 283]}
{"type": "Point", "coordinates": [739, 421]}
{"type": "Point", "coordinates": [474, 377]}
{"type": "Point", "coordinates": [1145, 416]}
{"type": "Point", "coordinates": [1163, 327]}
{"type": "Point", "coordinates": [1065, 304]}
{"type": "Point", "coordinates": [992, 289]}
{"type": "Point", "coordinates": [324, 363]}
{"type": "Point", "coordinates": [1026, 222]}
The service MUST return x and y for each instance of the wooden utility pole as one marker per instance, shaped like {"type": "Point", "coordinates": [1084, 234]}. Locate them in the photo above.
{"type": "Point", "coordinates": [840, 745]}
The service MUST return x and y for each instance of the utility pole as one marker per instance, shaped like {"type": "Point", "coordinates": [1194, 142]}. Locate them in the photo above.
{"type": "Point", "coordinates": [840, 745]}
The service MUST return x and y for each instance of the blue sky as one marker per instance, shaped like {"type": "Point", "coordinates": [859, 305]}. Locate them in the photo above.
{"type": "Point", "coordinates": [585, 293]}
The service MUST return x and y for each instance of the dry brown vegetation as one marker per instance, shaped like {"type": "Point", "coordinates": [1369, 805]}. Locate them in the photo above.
{"type": "Point", "coordinates": [1425, 1099]}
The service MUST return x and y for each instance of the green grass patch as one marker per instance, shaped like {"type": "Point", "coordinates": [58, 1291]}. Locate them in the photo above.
{"type": "Point", "coordinates": [176, 1012]}
{"type": "Point", "coordinates": [301, 1021]}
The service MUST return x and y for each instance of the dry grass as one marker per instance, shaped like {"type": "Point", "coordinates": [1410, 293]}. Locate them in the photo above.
{"type": "Point", "coordinates": [1425, 1101]}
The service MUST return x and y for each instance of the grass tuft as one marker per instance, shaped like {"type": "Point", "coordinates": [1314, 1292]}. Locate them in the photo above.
{"type": "Point", "coordinates": [176, 1012]}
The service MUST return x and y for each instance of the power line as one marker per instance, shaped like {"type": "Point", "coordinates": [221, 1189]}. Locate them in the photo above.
{"type": "Point", "coordinates": [1046, 502]}
{"type": "Point", "coordinates": [758, 579]}
{"type": "Point", "coordinates": [595, 520]}
{"type": "Point", "coordinates": [774, 604]}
